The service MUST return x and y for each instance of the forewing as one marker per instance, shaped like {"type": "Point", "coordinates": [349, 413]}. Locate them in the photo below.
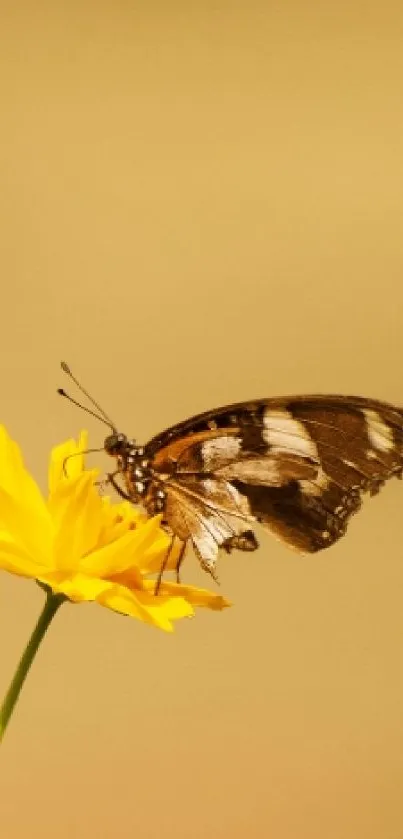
{"type": "Point", "coordinates": [359, 447]}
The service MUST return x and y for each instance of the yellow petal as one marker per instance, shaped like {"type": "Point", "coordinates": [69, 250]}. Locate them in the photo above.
{"type": "Point", "coordinates": [77, 587]}
{"type": "Point", "coordinates": [76, 509]}
{"type": "Point", "coordinates": [22, 509]}
{"type": "Point", "coordinates": [117, 519]}
{"type": "Point", "coordinates": [195, 596]}
{"type": "Point", "coordinates": [125, 553]}
{"type": "Point", "coordinates": [15, 559]}
{"type": "Point", "coordinates": [173, 608]}
{"type": "Point", "coordinates": [11, 464]}
{"type": "Point", "coordinates": [113, 560]}
{"type": "Point", "coordinates": [152, 545]}
{"type": "Point", "coordinates": [28, 525]}
{"type": "Point", "coordinates": [147, 608]}
{"type": "Point", "coordinates": [67, 461]}
{"type": "Point", "coordinates": [125, 510]}
{"type": "Point", "coordinates": [143, 607]}
{"type": "Point", "coordinates": [153, 556]}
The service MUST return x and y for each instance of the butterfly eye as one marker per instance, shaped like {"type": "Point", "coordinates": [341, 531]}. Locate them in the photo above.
{"type": "Point", "coordinates": [115, 444]}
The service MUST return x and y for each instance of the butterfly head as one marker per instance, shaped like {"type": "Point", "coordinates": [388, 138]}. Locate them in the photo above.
{"type": "Point", "coordinates": [129, 455]}
{"type": "Point", "coordinates": [117, 444]}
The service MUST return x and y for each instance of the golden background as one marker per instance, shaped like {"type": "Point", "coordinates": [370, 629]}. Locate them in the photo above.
{"type": "Point", "coordinates": [201, 203]}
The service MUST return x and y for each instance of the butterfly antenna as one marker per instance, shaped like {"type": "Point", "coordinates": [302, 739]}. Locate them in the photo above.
{"type": "Point", "coordinates": [66, 395]}
{"type": "Point", "coordinates": [102, 416]}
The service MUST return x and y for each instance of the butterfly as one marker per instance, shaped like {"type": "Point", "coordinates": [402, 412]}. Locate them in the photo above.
{"type": "Point", "coordinates": [298, 465]}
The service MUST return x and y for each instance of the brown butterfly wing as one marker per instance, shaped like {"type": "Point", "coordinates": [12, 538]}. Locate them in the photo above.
{"type": "Point", "coordinates": [298, 465]}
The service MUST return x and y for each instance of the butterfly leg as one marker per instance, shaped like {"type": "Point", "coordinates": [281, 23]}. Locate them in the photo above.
{"type": "Point", "coordinates": [179, 561]}
{"type": "Point", "coordinates": [164, 565]}
{"type": "Point", "coordinates": [111, 480]}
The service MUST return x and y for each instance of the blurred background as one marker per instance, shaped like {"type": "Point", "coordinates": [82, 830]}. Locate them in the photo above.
{"type": "Point", "coordinates": [202, 203]}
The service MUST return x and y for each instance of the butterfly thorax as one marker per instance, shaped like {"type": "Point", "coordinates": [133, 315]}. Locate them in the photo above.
{"type": "Point", "coordinates": [140, 480]}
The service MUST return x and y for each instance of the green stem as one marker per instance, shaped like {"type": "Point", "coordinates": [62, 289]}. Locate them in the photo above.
{"type": "Point", "coordinates": [52, 604]}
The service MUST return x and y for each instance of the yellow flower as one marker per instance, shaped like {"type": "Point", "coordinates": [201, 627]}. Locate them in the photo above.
{"type": "Point", "coordinates": [81, 545]}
